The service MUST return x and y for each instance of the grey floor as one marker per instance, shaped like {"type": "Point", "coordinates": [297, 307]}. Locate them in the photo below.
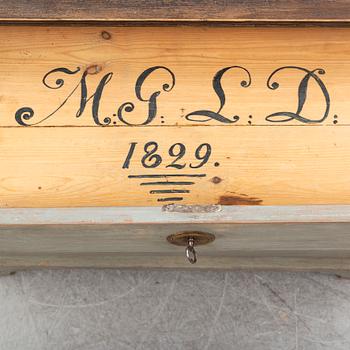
{"type": "Point", "coordinates": [130, 309]}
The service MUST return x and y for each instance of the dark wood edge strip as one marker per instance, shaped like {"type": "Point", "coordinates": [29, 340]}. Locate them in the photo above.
{"type": "Point", "coordinates": [176, 10]}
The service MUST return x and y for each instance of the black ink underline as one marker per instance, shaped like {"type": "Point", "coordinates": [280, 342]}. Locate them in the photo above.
{"type": "Point", "coordinates": [174, 199]}
{"type": "Point", "coordinates": [184, 183]}
{"type": "Point", "coordinates": [168, 191]}
{"type": "Point", "coordinates": [150, 176]}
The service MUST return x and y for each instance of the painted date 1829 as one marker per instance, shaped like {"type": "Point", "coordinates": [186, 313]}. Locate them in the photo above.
{"type": "Point", "coordinates": [152, 158]}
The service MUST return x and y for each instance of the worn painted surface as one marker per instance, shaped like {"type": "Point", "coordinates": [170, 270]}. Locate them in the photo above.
{"type": "Point", "coordinates": [173, 310]}
{"type": "Point", "coordinates": [176, 214]}
{"type": "Point", "coordinates": [313, 238]}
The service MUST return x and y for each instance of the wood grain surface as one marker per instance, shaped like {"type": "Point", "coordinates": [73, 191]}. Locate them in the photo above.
{"type": "Point", "coordinates": [176, 10]}
{"type": "Point", "coordinates": [57, 150]}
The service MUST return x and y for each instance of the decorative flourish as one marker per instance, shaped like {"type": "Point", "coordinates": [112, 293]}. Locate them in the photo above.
{"type": "Point", "coordinates": [59, 82]}
{"type": "Point", "coordinates": [335, 119]}
{"type": "Point", "coordinates": [302, 95]}
{"type": "Point", "coordinates": [27, 113]}
{"type": "Point", "coordinates": [24, 114]}
{"type": "Point", "coordinates": [219, 91]}
{"type": "Point", "coordinates": [128, 107]}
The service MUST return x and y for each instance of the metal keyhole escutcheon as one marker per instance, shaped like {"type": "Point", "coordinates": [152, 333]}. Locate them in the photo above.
{"type": "Point", "coordinates": [190, 239]}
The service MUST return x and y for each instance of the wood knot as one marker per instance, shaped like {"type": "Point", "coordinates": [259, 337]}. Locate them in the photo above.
{"type": "Point", "coordinates": [216, 180]}
{"type": "Point", "coordinates": [106, 35]}
{"type": "Point", "coordinates": [93, 69]}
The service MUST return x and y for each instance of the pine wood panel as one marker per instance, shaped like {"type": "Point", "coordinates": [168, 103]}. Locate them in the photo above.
{"type": "Point", "coordinates": [62, 160]}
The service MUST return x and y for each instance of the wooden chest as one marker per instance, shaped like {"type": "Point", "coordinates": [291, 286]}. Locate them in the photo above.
{"type": "Point", "coordinates": [123, 124]}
